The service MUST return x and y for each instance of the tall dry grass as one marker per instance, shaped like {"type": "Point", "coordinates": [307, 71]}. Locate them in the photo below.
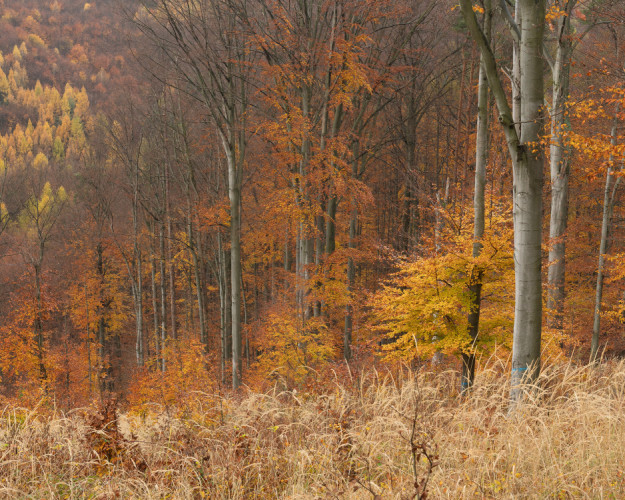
{"type": "Point", "coordinates": [566, 440]}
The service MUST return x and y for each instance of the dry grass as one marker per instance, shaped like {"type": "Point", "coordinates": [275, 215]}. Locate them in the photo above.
{"type": "Point", "coordinates": [566, 441]}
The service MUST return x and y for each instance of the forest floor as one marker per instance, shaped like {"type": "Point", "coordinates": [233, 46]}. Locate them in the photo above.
{"type": "Point", "coordinates": [376, 436]}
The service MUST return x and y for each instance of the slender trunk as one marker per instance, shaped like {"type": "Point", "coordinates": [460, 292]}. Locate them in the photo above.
{"type": "Point", "coordinates": [199, 289]}
{"type": "Point", "coordinates": [351, 275]}
{"type": "Point", "coordinates": [38, 323]}
{"type": "Point", "coordinates": [139, 348]}
{"type": "Point", "coordinates": [161, 261]}
{"type": "Point", "coordinates": [333, 200]}
{"type": "Point", "coordinates": [306, 250]}
{"type": "Point", "coordinates": [330, 225]}
{"type": "Point", "coordinates": [481, 157]}
{"type": "Point", "coordinates": [516, 72]}
{"type": "Point", "coordinates": [246, 344]}
{"type": "Point", "coordinates": [306, 236]}
{"type": "Point", "coordinates": [157, 344]}
{"type": "Point", "coordinates": [351, 268]}
{"type": "Point", "coordinates": [170, 260]}
{"type": "Point", "coordinates": [606, 222]}
{"type": "Point", "coordinates": [88, 340]}
{"type": "Point", "coordinates": [105, 378]}
{"type": "Point", "coordinates": [409, 195]}
{"type": "Point", "coordinates": [235, 272]}
{"type": "Point", "coordinates": [559, 169]}
{"type": "Point", "coordinates": [135, 273]}
{"type": "Point", "coordinates": [299, 302]}
{"type": "Point", "coordinates": [287, 252]}
{"type": "Point", "coordinates": [319, 252]}
{"type": "Point", "coordinates": [223, 307]}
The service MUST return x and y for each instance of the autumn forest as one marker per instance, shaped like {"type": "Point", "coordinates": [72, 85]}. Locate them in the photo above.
{"type": "Point", "coordinates": [241, 214]}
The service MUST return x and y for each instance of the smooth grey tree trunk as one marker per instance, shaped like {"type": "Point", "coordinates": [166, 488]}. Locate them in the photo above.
{"type": "Point", "coordinates": [528, 187]}
{"type": "Point", "coordinates": [606, 222]}
{"type": "Point", "coordinates": [559, 168]}
{"type": "Point", "coordinates": [527, 163]}
{"type": "Point", "coordinates": [137, 284]}
{"type": "Point", "coordinates": [223, 309]}
{"type": "Point", "coordinates": [234, 191]}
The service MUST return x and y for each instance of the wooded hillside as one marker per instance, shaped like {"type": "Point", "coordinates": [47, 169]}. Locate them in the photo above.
{"type": "Point", "coordinates": [204, 195]}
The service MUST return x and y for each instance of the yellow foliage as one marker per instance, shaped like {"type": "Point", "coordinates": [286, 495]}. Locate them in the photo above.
{"type": "Point", "coordinates": [40, 214]}
{"type": "Point", "coordinates": [36, 41]}
{"type": "Point", "coordinates": [5, 89]}
{"type": "Point", "coordinates": [424, 308]}
{"type": "Point", "coordinates": [40, 161]}
{"type": "Point", "coordinates": [291, 351]}
{"type": "Point", "coordinates": [178, 388]}
{"type": "Point", "coordinates": [99, 294]}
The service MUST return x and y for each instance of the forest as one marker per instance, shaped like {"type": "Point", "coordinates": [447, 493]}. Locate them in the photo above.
{"type": "Point", "coordinates": [312, 249]}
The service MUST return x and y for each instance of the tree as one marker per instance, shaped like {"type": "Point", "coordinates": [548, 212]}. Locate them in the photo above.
{"type": "Point", "coordinates": [527, 163]}
{"type": "Point", "coordinates": [204, 43]}
{"type": "Point", "coordinates": [481, 157]}
{"type": "Point", "coordinates": [38, 219]}
{"type": "Point", "coordinates": [5, 90]}
{"type": "Point", "coordinates": [426, 307]}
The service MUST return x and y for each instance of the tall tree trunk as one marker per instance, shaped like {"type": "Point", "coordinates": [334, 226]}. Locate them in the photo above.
{"type": "Point", "coordinates": [170, 261]}
{"type": "Point", "coordinates": [527, 164]}
{"type": "Point", "coordinates": [163, 294]}
{"type": "Point", "coordinates": [157, 343]}
{"type": "Point", "coordinates": [104, 350]}
{"type": "Point", "coordinates": [559, 168]}
{"type": "Point", "coordinates": [516, 71]}
{"type": "Point", "coordinates": [351, 275]}
{"type": "Point", "coordinates": [38, 324]}
{"type": "Point", "coordinates": [481, 157]}
{"type": "Point", "coordinates": [319, 253]}
{"type": "Point", "coordinates": [137, 286]}
{"type": "Point", "coordinates": [348, 326]}
{"type": "Point", "coordinates": [88, 340]}
{"type": "Point", "coordinates": [606, 222]}
{"type": "Point", "coordinates": [225, 305]}
{"type": "Point", "coordinates": [287, 251]}
{"type": "Point", "coordinates": [199, 289]}
{"type": "Point", "coordinates": [234, 191]}
{"type": "Point", "coordinates": [528, 187]}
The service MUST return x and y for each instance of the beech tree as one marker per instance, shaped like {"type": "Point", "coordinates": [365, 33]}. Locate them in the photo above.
{"type": "Point", "coordinates": [204, 43]}
{"type": "Point", "coordinates": [559, 163]}
{"type": "Point", "coordinates": [481, 158]}
{"type": "Point", "coordinates": [527, 163]}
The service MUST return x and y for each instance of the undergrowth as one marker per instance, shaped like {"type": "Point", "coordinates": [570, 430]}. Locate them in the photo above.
{"type": "Point", "coordinates": [374, 436]}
